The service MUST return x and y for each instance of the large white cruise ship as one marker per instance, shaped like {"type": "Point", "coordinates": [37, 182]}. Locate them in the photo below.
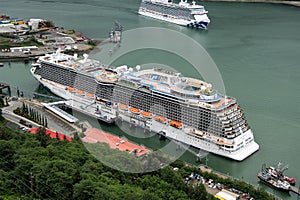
{"type": "Point", "coordinates": [183, 13]}
{"type": "Point", "coordinates": [180, 108]}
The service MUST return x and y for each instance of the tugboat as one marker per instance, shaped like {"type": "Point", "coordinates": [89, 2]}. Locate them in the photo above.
{"type": "Point", "coordinates": [278, 173]}
{"type": "Point", "coordinates": [274, 177]}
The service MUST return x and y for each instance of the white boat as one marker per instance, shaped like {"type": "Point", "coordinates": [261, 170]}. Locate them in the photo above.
{"type": "Point", "coordinates": [180, 108]}
{"type": "Point", "coordinates": [183, 13]}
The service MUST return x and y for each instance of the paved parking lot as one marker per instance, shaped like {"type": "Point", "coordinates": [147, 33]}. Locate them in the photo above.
{"type": "Point", "coordinates": [55, 123]}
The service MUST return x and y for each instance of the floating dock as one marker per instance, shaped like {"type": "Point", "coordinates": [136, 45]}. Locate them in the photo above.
{"type": "Point", "coordinates": [295, 189]}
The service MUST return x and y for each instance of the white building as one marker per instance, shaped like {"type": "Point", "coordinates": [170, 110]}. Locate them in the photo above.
{"type": "Point", "coordinates": [22, 49]}
{"type": "Point", "coordinates": [34, 23]}
{"type": "Point", "coordinates": [227, 195]}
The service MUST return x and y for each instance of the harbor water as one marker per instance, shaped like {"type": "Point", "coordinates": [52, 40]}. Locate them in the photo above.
{"type": "Point", "coordinates": [255, 47]}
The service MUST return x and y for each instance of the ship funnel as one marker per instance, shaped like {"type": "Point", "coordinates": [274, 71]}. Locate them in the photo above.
{"type": "Point", "coordinates": [85, 56]}
{"type": "Point", "coordinates": [138, 67]}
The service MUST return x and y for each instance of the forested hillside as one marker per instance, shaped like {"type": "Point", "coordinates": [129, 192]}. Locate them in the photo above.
{"type": "Point", "coordinates": [37, 167]}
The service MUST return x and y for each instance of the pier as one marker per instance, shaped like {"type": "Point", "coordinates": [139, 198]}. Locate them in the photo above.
{"type": "Point", "coordinates": [295, 190]}
{"type": "Point", "coordinates": [5, 86]}
{"type": "Point", "coordinates": [53, 107]}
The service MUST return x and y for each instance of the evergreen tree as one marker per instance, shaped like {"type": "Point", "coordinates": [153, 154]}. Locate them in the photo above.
{"type": "Point", "coordinates": [26, 109]}
{"type": "Point", "coordinates": [23, 108]}
{"type": "Point", "coordinates": [1, 102]}
{"type": "Point", "coordinates": [57, 135]}
{"type": "Point", "coordinates": [1, 117]}
{"type": "Point", "coordinates": [46, 122]}
{"type": "Point", "coordinates": [42, 136]}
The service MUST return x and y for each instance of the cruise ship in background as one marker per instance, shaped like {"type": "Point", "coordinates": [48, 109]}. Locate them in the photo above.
{"type": "Point", "coordinates": [183, 13]}
{"type": "Point", "coordinates": [180, 108]}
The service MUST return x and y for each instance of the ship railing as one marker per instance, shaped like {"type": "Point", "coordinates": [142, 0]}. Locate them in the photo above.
{"type": "Point", "coordinates": [199, 12]}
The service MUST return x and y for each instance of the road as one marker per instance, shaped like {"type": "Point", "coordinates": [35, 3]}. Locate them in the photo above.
{"type": "Point", "coordinates": [54, 123]}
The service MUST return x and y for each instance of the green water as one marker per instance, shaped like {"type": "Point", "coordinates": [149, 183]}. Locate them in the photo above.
{"type": "Point", "coordinates": [255, 46]}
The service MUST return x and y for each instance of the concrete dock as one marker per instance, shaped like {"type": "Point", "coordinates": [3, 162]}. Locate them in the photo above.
{"type": "Point", "coordinates": [295, 189]}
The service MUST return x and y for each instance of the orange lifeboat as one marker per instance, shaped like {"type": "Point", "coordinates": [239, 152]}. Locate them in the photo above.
{"type": "Point", "coordinates": [146, 114]}
{"type": "Point", "coordinates": [134, 110]}
{"type": "Point", "coordinates": [160, 119]}
{"type": "Point", "coordinates": [80, 92]}
{"type": "Point", "coordinates": [90, 95]}
{"type": "Point", "coordinates": [175, 124]}
{"type": "Point", "coordinates": [123, 106]}
{"type": "Point", "coordinates": [71, 89]}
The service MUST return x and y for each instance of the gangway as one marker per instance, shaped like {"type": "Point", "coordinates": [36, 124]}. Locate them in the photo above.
{"type": "Point", "coordinates": [53, 107]}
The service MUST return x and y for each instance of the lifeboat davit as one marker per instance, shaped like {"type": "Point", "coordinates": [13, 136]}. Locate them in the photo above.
{"type": "Point", "coordinates": [160, 119]}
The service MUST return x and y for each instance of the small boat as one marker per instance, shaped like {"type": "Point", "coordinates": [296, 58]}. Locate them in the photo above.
{"type": "Point", "coordinates": [135, 110]}
{"type": "Point", "coordinates": [92, 96]}
{"type": "Point", "coordinates": [146, 114]}
{"type": "Point", "coordinates": [278, 173]}
{"type": "Point", "coordinates": [266, 178]}
{"type": "Point", "coordinates": [71, 89]}
{"type": "Point", "coordinates": [1, 64]}
{"type": "Point", "coordinates": [80, 92]}
{"type": "Point", "coordinates": [160, 119]}
{"type": "Point", "coordinates": [275, 177]}
{"type": "Point", "coordinates": [175, 124]}
{"type": "Point", "coordinates": [123, 106]}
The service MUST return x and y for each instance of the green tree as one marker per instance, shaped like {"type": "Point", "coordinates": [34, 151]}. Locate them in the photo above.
{"type": "Point", "coordinates": [1, 102]}
{"type": "Point", "coordinates": [1, 117]}
{"type": "Point", "coordinates": [198, 192]}
{"type": "Point", "coordinates": [42, 136]}
{"type": "Point", "coordinates": [56, 134]}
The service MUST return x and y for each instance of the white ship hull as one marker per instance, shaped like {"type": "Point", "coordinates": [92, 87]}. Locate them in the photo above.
{"type": "Point", "coordinates": [244, 150]}
{"type": "Point", "coordinates": [244, 144]}
{"type": "Point", "coordinates": [182, 22]}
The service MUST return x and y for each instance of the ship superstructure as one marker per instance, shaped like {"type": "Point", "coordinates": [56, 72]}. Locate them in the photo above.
{"type": "Point", "coordinates": [183, 13]}
{"type": "Point", "coordinates": [180, 108]}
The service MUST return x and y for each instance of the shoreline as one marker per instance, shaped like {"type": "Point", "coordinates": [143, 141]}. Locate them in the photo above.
{"type": "Point", "coordinates": [20, 56]}
{"type": "Point", "coordinates": [291, 3]}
